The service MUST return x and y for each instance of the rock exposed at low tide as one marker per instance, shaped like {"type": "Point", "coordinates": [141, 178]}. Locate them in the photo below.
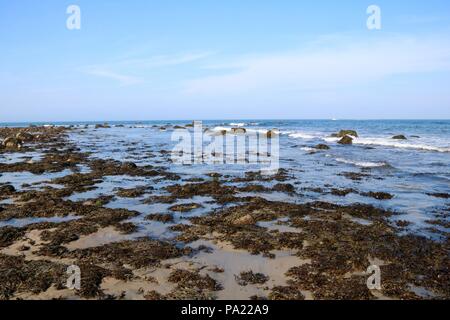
{"type": "Point", "coordinates": [346, 140]}
{"type": "Point", "coordinates": [344, 133]}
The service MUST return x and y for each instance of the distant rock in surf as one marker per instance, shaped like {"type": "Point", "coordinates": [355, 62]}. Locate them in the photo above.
{"type": "Point", "coordinates": [346, 140]}
{"type": "Point", "coordinates": [239, 130]}
{"type": "Point", "coordinates": [322, 146]}
{"type": "Point", "coordinates": [344, 133]}
{"type": "Point", "coordinates": [102, 126]}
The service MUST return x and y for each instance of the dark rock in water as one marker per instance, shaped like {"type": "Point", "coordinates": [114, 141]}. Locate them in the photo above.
{"type": "Point", "coordinates": [322, 147]}
{"type": "Point", "coordinates": [271, 133]}
{"type": "Point", "coordinates": [214, 175]}
{"type": "Point", "coordinates": [284, 187]}
{"type": "Point", "coordinates": [346, 140]}
{"type": "Point", "coordinates": [164, 218]}
{"type": "Point", "coordinates": [344, 133]}
{"type": "Point", "coordinates": [12, 143]}
{"type": "Point", "coordinates": [7, 189]}
{"type": "Point", "coordinates": [131, 193]}
{"type": "Point", "coordinates": [439, 195]}
{"type": "Point", "coordinates": [378, 195]}
{"type": "Point", "coordinates": [399, 137]}
{"type": "Point", "coordinates": [185, 207]}
{"type": "Point", "coordinates": [415, 137]}
{"type": "Point", "coordinates": [239, 130]}
{"type": "Point", "coordinates": [355, 176]}
{"type": "Point", "coordinates": [100, 126]}
{"type": "Point", "coordinates": [128, 166]}
{"type": "Point", "coordinates": [178, 127]}
{"type": "Point", "coordinates": [402, 223]}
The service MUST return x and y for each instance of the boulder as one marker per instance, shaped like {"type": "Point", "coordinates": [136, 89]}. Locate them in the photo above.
{"type": "Point", "coordinates": [238, 131]}
{"type": "Point", "coordinates": [346, 140]}
{"type": "Point", "coordinates": [24, 136]}
{"type": "Point", "coordinates": [399, 137]}
{"type": "Point", "coordinates": [271, 134]}
{"type": "Point", "coordinates": [129, 166]}
{"type": "Point", "coordinates": [322, 146]}
{"type": "Point", "coordinates": [7, 189]}
{"type": "Point", "coordinates": [104, 126]}
{"type": "Point", "coordinates": [344, 133]}
{"type": "Point", "coordinates": [12, 143]}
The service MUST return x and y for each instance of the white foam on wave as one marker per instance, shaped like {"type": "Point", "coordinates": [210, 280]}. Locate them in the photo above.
{"type": "Point", "coordinates": [331, 139]}
{"type": "Point", "coordinates": [221, 129]}
{"type": "Point", "coordinates": [239, 124]}
{"type": "Point", "coordinates": [301, 135]}
{"type": "Point", "coordinates": [363, 164]}
{"type": "Point", "coordinates": [388, 142]}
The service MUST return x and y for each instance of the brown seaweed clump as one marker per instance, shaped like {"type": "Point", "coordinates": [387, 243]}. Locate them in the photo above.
{"type": "Point", "coordinates": [20, 276]}
{"type": "Point", "coordinates": [138, 254]}
{"type": "Point", "coordinates": [249, 277]}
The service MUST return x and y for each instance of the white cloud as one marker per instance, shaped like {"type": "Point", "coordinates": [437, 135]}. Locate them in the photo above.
{"type": "Point", "coordinates": [136, 66]}
{"type": "Point", "coordinates": [328, 67]}
{"type": "Point", "coordinates": [124, 80]}
{"type": "Point", "coordinates": [166, 60]}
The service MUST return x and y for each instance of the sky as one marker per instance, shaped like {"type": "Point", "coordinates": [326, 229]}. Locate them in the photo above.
{"type": "Point", "coordinates": [224, 59]}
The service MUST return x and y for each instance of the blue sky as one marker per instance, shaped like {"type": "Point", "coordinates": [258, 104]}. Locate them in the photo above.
{"type": "Point", "coordinates": [205, 59]}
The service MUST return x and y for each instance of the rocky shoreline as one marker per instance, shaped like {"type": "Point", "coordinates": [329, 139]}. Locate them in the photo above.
{"type": "Point", "coordinates": [308, 250]}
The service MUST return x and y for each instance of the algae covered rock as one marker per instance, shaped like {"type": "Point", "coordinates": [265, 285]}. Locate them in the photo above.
{"type": "Point", "coordinates": [322, 146]}
{"type": "Point", "coordinates": [346, 140]}
{"type": "Point", "coordinates": [344, 133]}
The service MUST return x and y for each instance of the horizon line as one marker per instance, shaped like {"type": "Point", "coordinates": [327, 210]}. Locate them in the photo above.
{"type": "Point", "coordinates": [225, 119]}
